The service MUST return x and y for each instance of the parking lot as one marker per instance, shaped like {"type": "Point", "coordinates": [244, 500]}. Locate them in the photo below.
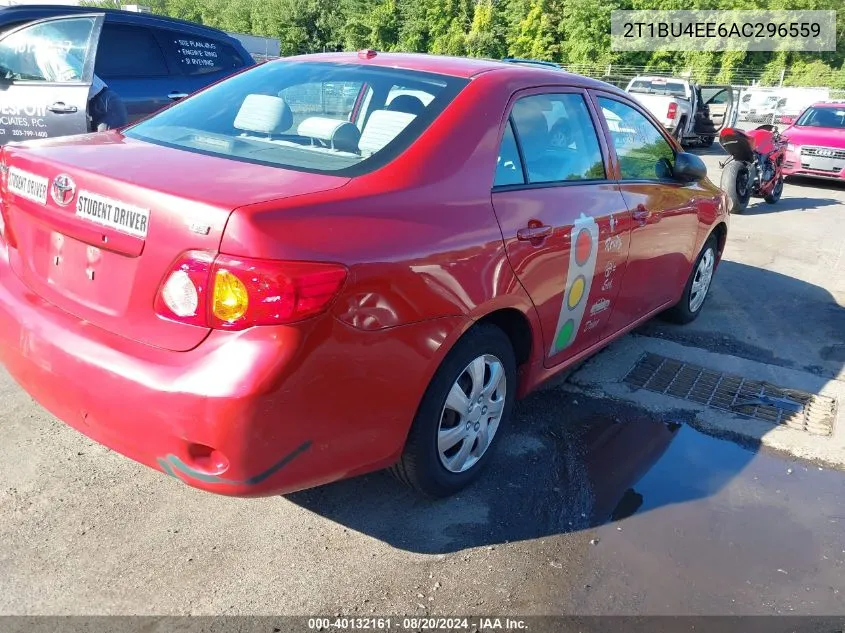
{"type": "Point", "coordinates": [603, 498]}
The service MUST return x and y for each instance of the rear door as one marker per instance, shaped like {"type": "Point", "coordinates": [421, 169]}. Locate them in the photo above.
{"type": "Point", "coordinates": [564, 222]}
{"type": "Point", "coordinates": [46, 70]}
{"type": "Point", "coordinates": [131, 61]}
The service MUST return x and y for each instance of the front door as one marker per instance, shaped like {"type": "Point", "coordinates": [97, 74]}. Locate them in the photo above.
{"type": "Point", "coordinates": [664, 213]}
{"type": "Point", "coordinates": [564, 222]}
{"type": "Point", "coordinates": [46, 70]}
{"type": "Point", "coordinates": [720, 104]}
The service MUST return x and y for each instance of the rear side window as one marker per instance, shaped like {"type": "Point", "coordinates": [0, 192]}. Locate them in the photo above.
{"type": "Point", "coordinates": [558, 139]}
{"type": "Point", "coordinates": [642, 151]}
{"type": "Point", "coordinates": [297, 115]}
{"type": "Point", "coordinates": [196, 55]}
{"type": "Point", "coordinates": [129, 51]}
{"type": "Point", "coordinates": [508, 163]}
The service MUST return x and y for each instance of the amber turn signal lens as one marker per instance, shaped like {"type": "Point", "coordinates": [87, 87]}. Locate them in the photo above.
{"type": "Point", "coordinates": [230, 297]}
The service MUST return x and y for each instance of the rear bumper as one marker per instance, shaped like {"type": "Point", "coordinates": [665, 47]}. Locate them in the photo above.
{"type": "Point", "coordinates": [263, 411]}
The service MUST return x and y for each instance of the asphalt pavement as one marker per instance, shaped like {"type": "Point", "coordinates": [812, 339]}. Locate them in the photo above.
{"type": "Point", "coordinates": [604, 498]}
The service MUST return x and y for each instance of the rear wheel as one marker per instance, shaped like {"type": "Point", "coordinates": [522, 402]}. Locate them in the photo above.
{"type": "Point", "coordinates": [736, 182]}
{"type": "Point", "coordinates": [462, 414]}
{"type": "Point", "coordinates": [698, 285]}
{"type": "Point", "coordinates": [707, 141]}
{"type": "Point", "coordinates": [777, 192]}
{"type": "Point", "coordinates": [679, 131]}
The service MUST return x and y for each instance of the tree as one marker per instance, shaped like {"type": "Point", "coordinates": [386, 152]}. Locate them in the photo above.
{"type": "Point", "coordinates": [486, 34]}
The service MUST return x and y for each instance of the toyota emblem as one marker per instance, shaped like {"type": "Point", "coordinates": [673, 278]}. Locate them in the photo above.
{"type": "Point", "coordinates": [63, 190]}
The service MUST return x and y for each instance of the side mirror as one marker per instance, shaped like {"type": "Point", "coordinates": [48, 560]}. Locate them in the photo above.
{"type": "Point", "coordinates": [689, 168]}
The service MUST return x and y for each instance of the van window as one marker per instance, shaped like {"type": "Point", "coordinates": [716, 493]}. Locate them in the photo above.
{"type": "Point", "coordinates": [52, 51]}
{"type": "Point", "coordinates": [129, 51]}
{"type": "Point", "coordinates": [198, 55]}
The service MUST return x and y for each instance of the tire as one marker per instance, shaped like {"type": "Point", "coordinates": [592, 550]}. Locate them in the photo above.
{"type": "Point", "coordinates": [107, 111]}
{"type": "Point", "coordinates": [707, 141]}
{"type": "Point", "coordinates": [678, 133]}
{"type": "Point", "coordinates": [690, 305]}
{"type": "Point", "coordinates": [423, 465]}
{"type": "Point", "coordinates": [736, 183]}
{"type": "Point", "coordinates": [777, 192]}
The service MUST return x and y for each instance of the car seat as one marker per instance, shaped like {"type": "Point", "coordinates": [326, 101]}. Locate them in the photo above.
{"type": "Point", "coordinates": [408, 104]}
{"type": "Point", "coordinates": [264, 114]}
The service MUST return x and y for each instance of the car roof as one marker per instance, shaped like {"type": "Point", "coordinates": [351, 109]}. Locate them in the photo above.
{"type": "Point", "coordinates": [829, 104]}
{"type": "Point", "coordinates": [465, 67]}
{"type": "Point", "coordinates": [17, 14]}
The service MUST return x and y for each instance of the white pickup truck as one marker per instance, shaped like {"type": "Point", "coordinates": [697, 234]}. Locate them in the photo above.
{"type": "Point", "coordinates": [691, 113]}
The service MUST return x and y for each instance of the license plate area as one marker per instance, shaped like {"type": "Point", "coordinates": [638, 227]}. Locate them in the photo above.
{"type": "Point", "coordinates": [89, 275]}
{"type": "Point", "coordinates": [823, 163]}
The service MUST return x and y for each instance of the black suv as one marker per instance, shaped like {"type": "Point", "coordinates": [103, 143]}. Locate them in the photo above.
{"type": "Point", "coordinates": [149, 60]}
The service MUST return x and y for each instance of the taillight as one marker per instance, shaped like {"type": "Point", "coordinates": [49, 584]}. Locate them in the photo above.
{"type": "Point", "coordinates": [183, 295]}
{"type": "Point", "coordinates": [235, 293]}
{"type": "Point", "coordinates": [673, 110]}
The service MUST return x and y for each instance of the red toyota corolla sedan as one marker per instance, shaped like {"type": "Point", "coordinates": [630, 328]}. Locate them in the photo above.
{"type": "Point", "coordinates": [332, 264]}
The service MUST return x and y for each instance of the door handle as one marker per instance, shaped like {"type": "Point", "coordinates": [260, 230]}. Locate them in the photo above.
{"type": "Point", "coordinates": [61, 108]}
{"type": "Point", "coordinates": [176, 95]}
{"type": "Point", "coordinates": [534, 233]}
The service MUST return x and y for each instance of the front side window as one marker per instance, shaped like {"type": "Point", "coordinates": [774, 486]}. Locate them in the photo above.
{"type": "Point", "coordinates": [642, 151]}
{"type": "Point", "coordinates": [297, 115]}
{"type": "Point", "coordinates": [53, 51]}
{"type": "Point", "coordinates": [558, 139]}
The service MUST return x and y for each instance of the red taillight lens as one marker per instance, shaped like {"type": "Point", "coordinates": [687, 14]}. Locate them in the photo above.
{"type": "Point", "coordinates": [673, 111]}
{"type": "Point", "coordinates": [274, 292]}
{"type": "Point", "coordinates": [235, 293]}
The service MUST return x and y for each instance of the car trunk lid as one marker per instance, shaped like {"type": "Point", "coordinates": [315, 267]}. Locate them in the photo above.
{"type": "Point", "coordinates": [100, 220]}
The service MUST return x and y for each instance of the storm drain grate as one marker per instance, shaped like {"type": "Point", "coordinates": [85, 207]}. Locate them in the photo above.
{"type": "Point", "coordinates": [752, 398]}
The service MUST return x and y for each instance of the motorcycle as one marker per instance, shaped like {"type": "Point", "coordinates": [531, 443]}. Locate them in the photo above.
{"type": "Point", "coordinates": [755, 166]}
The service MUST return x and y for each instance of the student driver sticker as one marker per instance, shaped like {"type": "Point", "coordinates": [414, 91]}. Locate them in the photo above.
{"type": "Point", "coordinates": [27, 185]}
{"type": "Point", "coordinates": [113, 213]}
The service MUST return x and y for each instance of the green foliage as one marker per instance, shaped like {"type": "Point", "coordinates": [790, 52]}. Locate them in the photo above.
{"type": "Point", "coordinates": [572, 32]}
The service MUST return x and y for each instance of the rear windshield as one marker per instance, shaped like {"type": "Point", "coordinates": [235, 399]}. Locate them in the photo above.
{"type": "Point", "coordinates": [343, 119]}
{"type": "Point", "coordinates": [657, 87]}
{"type": "Point", "coordinates": [823, 117]}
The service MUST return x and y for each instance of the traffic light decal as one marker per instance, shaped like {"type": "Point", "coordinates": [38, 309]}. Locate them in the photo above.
{"type": "Point", "coordinates": [583, 252]}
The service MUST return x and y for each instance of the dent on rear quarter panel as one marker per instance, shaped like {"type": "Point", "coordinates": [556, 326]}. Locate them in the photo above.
{"type": "Point", "coordinates": [419, 235]}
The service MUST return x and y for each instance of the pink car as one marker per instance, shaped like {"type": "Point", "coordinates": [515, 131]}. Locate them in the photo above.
{"type": "Point", "coordinates": [816, 143]}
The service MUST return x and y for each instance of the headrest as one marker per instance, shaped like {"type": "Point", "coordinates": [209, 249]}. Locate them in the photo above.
{"type": "Point", "coordinates": [264, 114]}
{"type": "Point", "coordinates": [407, 103]}
{"type": "Point", "coordinates": [341, 135]}
{"type": "Point", "coordinates": [382, 127]}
